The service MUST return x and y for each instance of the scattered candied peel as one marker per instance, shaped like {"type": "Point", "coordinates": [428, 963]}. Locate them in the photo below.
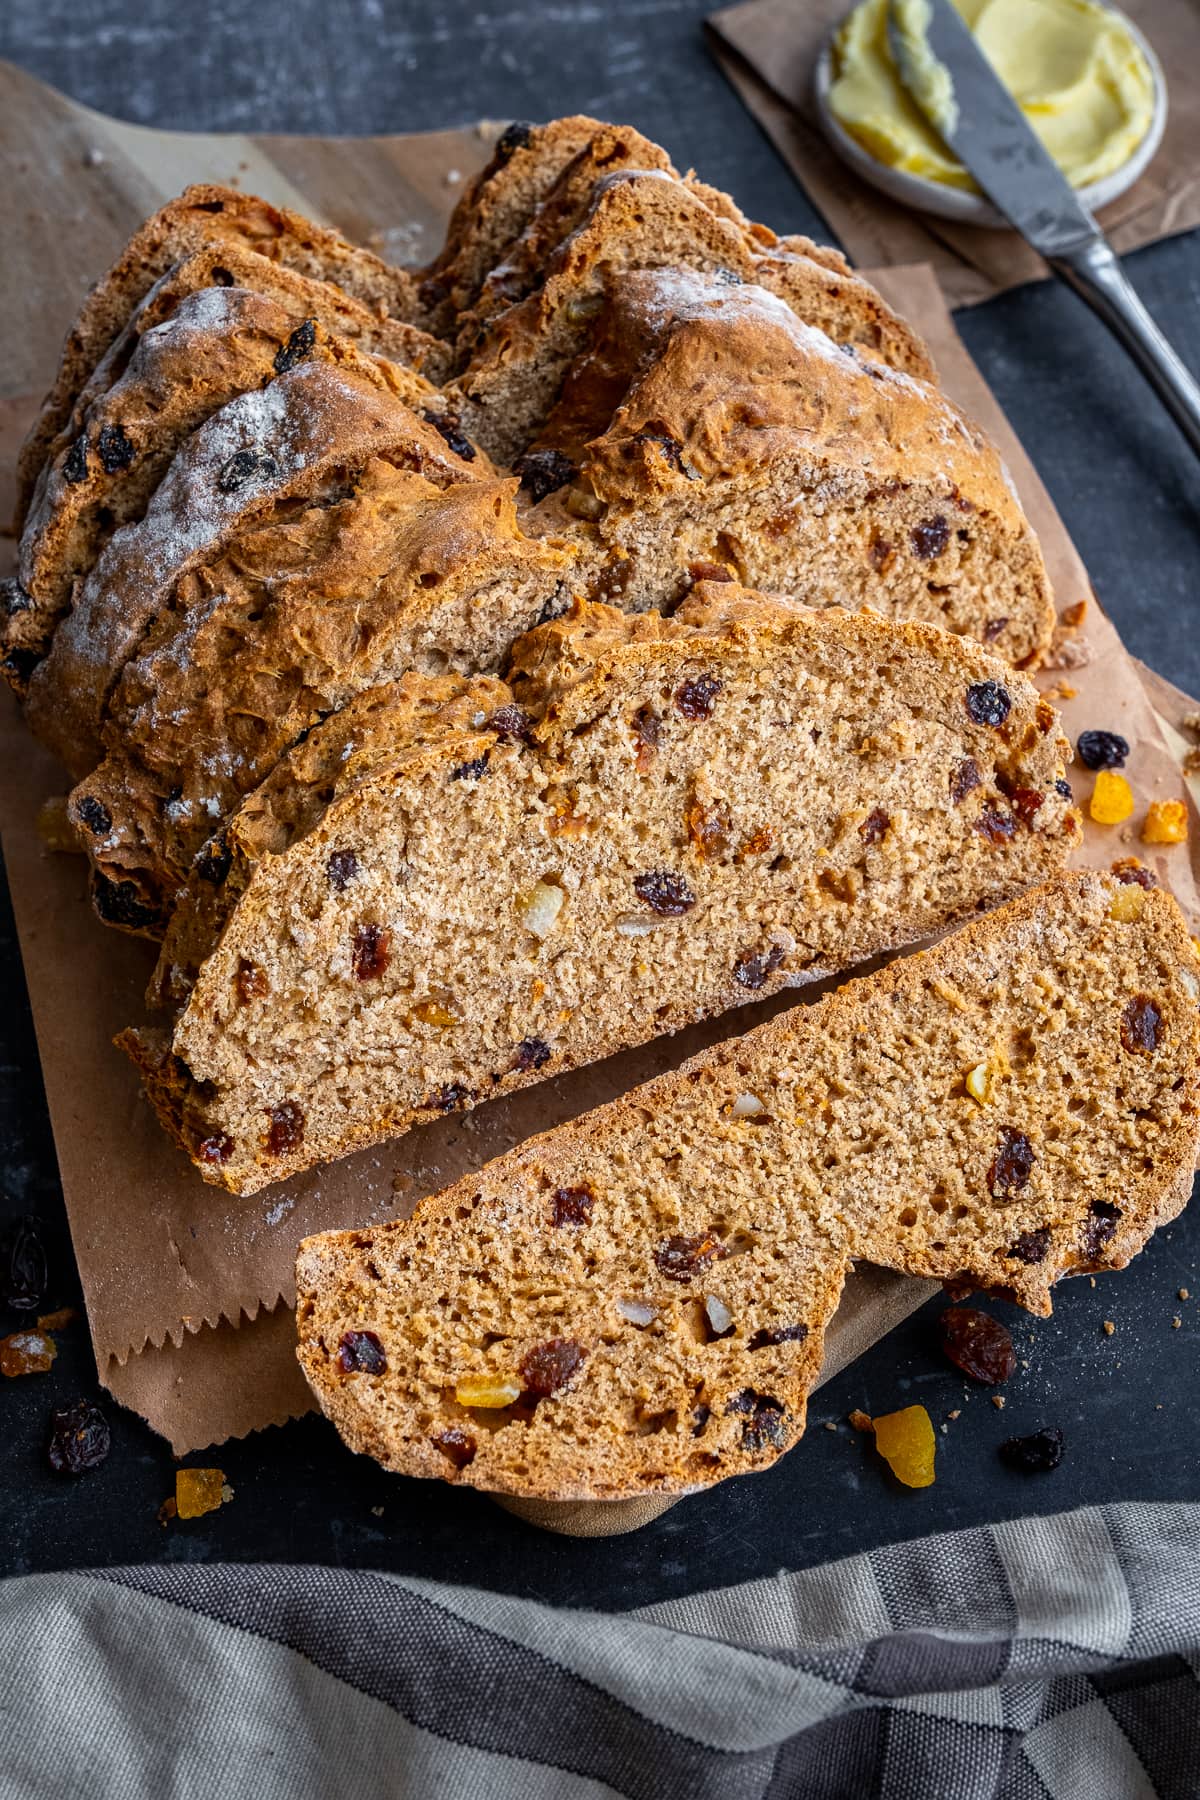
{"type": "Point", "coordinates": [27, 1353]}
{"type": "Point", "coordinates": [906, 1441]}
{"type": "Point", "coordinates": [1112, 799]}
{"type": "Point", "coordinates": [1166, 822]}
{"type": "Point", "coordinates": [197, 1491]}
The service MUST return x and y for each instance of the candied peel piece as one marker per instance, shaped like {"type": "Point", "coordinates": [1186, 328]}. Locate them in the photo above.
{"type": "Point", "coordinates": [1166, 822]}
{"type": "Point", "coordinates": [27, 1353]}
{"type": "Point", "coordinates": [488, 1391]}
{"type": "Point", "coordinates": [200, 1491]}
{"type": "Point", "coordinates": [906, 1442]}
{"type": "Point", "coordinates": [1112, 799]}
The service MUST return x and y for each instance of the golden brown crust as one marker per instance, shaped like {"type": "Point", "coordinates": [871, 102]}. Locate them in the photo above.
{"type": "Point", "coordinates": [306, 433]}
{"type": "Point", "coordinates": [215, 344]}
{"type": "Point", "coordinates": [202, 214]}
{"type": "Point", "coordinates": [852, 1117]}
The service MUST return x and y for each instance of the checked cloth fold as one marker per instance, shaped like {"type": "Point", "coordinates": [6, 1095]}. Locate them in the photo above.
{"type": "Point", "coordinates": [1043, 1659]}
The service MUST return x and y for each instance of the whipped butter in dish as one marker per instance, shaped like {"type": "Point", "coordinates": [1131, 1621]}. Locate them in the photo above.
{"type": "Point", "coordinates": [1074, 67]}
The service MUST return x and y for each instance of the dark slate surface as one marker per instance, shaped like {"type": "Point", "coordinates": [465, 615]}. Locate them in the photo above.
{"type": "Point", "coordinates": [1128, 1402]}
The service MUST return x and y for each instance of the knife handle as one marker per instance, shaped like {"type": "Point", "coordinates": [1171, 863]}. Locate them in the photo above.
{"type": "Point", "coordinates": [1095, 273]}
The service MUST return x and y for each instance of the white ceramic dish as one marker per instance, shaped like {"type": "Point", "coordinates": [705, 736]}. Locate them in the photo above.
{"type": "Point", "coordinates": [956, 203]}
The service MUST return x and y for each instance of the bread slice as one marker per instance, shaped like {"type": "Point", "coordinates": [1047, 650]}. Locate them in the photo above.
{"type": "Point", "coordinates": [283, 625]}
{"type": "Point", "coordinates": [308, 434]}
{"type": "Point", "coordinates": [705, 426]}
{"type": "Point", "coordinates": [635, 1302]}
{"type": "Point", "coordinates": [654, 820]}
{"type": "Point", "coordinates": [217, 343]}
{"type": "Point", "coordinates": [494, 208]}
{"type": "Point", "coordinates": [638, 221]}
{"type": "Point", "coordinates": [204, 215]}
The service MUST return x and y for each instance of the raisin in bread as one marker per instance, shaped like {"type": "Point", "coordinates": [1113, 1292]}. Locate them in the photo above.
{"type": "Point", "coordinates": [217, 343]}
{"type": "Point", "coordinates": [705, 426]}
{"type": "Point", "coordinates": [660, 818]}
{"type": "Point", "coordinates": [283, 625]}
{"type": "Point", "coordinates": [306, 436]}
{"type": "Point", "coordinates": [639, 221]}
{"type": "Point", "coordinates": [203, 216]}
{"type": "Point", "coordinates": [635, 1302]}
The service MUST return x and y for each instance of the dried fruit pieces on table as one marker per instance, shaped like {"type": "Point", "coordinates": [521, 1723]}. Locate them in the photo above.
{"type": "Point", "coordinates": [79, 1438]}
{"type": "Point", "coordinates": [977, 1344]}
{"type": "Point", "coordinates": [27, 1353]}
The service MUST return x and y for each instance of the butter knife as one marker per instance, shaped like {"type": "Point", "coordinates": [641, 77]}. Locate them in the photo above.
{"type": "Point", "coordinates": [990, 136]}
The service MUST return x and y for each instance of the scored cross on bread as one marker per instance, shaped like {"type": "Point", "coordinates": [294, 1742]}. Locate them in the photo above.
{"type": "Point", "coordinates": [635, 1302]}
{"type": "Point", "coordinates": [450, 890]}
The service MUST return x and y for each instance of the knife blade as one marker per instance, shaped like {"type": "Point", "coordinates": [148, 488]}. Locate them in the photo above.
{"type": "Point", "coordinates": [979, 121]}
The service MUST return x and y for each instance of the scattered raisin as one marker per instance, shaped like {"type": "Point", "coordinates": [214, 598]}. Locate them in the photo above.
{"type": "Point", "coordinates": [23, 1271]}
{"type": "Point", "coordinates": [119, 903]}
{"type": "Point", "coordinates": [93, 814]}
{"type": "Point", "coordinates": [695, 699]}
{"type": "Point", "coordinates": [1141, 1026]}
{"type": "Point", "coordinates": [251, 983]}
{"type": "Point", "coordinates": [451, 429]}
{"type": "Point", "coordinates": [1031, 1246]}
{"type": "Point", "coordinates": [992, 629]}
{"type": "Point", "coordinates": [286, 1128]}
{"type": "Point", "coordinates": [531, 1053]}
{"type": "Point", "coordinates": [372, 951]}
{"type": "Point", "coordinates": [470, 771]}
{"type": "Point", "coordinates": [964, 778]}
{"type": "Point", "coordinates": [457, 1444]}
{"type": "Point", "coordinates": [647, 729]}
{"type": "Point", "coordinates": [1064, 788]}
{"type": "Point", "coordinates": [242, 467]}
{"type": "Point", "coordinates": [671, 448]}
{"type": "Point", "coordinates": [573, 1205]}
{"type": "Point", "coordinates": [114, 449]}
{"type": "Point", "coordinates": [1099, 1228]}
{"type": "Point", "coordinates": [706, 571]}
{"type": "Point", "coordinates": [683, 1258]}
{"type": "Point", "coordinates": [543, 472]}
{"type": "Point", "coordinates": [215, 1149]}
{"type": "Point", "coordinates": [766, 1425]}
{"type": "Point", "coordinates": [1035, 1454]}
{"type": "Point", "coordinates": [751, 970]}
{"type": "Point", "coordinates": [977, 1344]}
{"type": "Point", "coordinates": [79, 1438]}
{"type": "Point", "coordinates": [549, 1366]}
{"type": "Point", "coordinates": [988, 703]}
{"type": "Point", "coordinates": [449, 1098]}
{"type": "Point", "coordinates": [1026, 803]}
{"type": "Point", "coordinates": [996, 826]}
{"type": "Point", "coordinates": [778, 1334]}
{"type": "Point", "coordinates": [1012, 1165]}
{"type": "Point", "coordinates": [361, 1353]}
{"type": "Point", "coordinates": [215, 861]}
{"type": "Point", "coordinates": [75, 466]}
{"type": "Point", "coordinates": [511, 722]}
{"type": "Point", "coordinates": [664, 892]}
{"type": "Point", "coordinates": [341, 869]}
{"type": "Point", "coordinates": [298, 346]}
{"type": "Point", "coordinates": [875, 826]}
{"type": "Point", "coordinates": [1133, 873]}
{"type": "Point", "coordinates": [1101, 749]}
{"type": "Point", "coordinates": [517, 136]}
{"type": "Point", "coordinates": [930, 538]}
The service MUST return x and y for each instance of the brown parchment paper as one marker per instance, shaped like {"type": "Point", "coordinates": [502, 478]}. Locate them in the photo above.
{"type": "Point", "coordinates": [189, 1290]}
{"type": "Point", "coordinates": [768, 49]}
